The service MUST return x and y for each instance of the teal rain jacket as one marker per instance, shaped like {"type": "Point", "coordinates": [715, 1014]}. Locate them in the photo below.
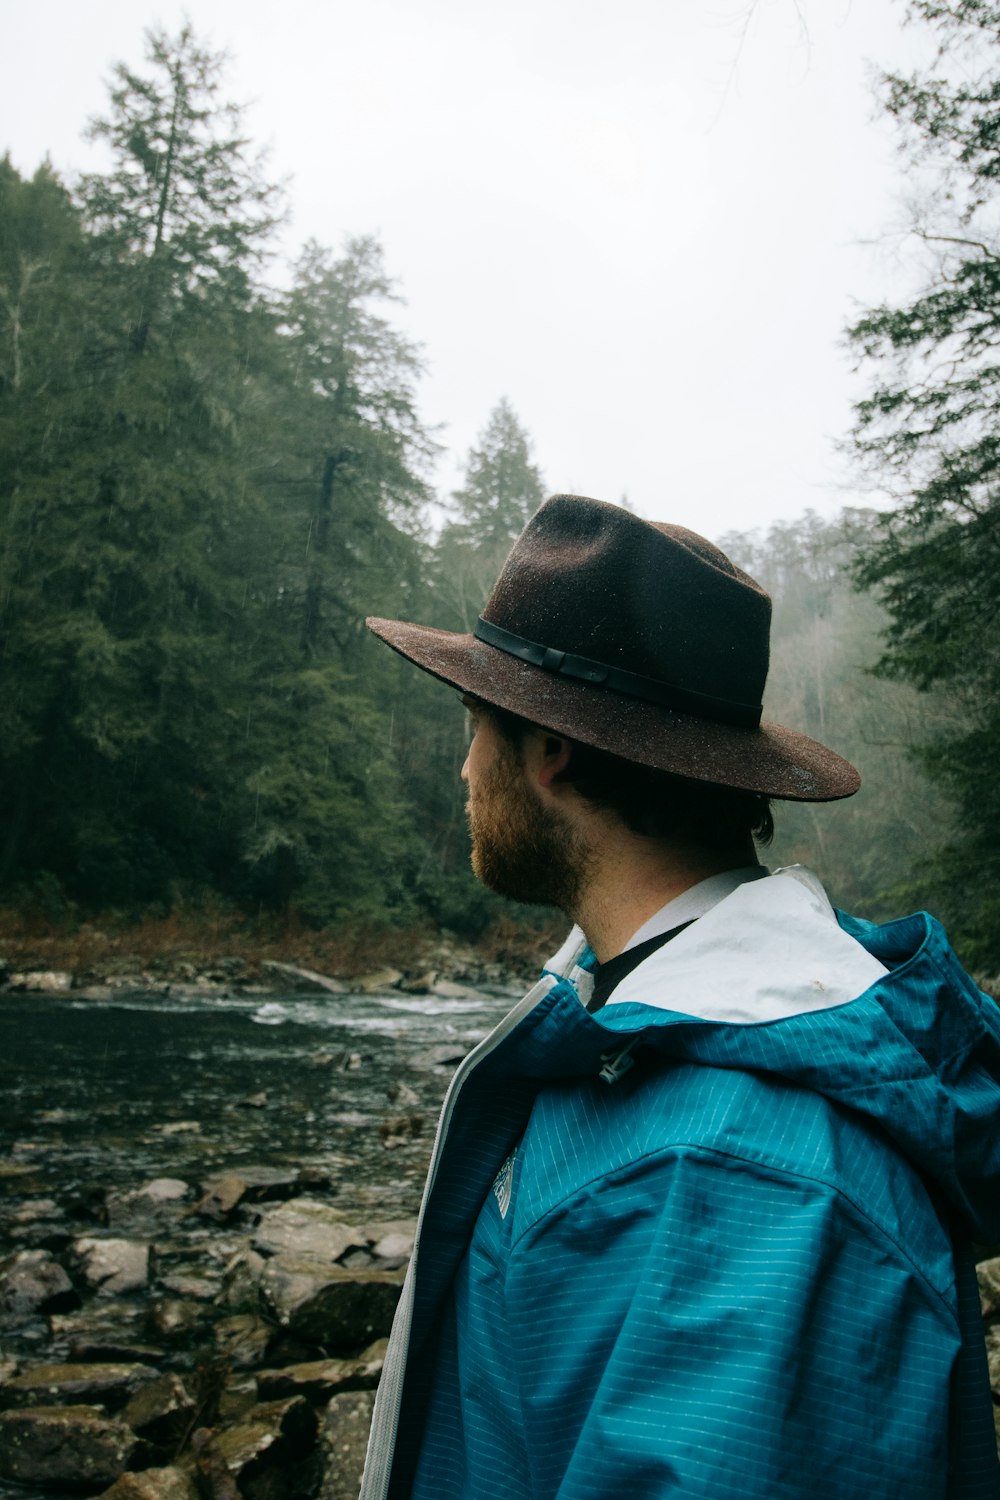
{"type": "Point", "coordinates": [715, 1239]}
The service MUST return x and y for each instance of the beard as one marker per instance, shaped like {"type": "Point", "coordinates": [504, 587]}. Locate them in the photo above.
{"type": "Point", "coordinates": [520, 847]}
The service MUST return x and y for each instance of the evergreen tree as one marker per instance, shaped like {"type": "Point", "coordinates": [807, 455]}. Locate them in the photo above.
{"type": "Point", "coordinates": [501, 490]}
{"type": "Point", "coordinates": [928, 434]}
{"type": "Point", "coordinates": [134, 543]}
{"type": "Point", "coordinates": [186, 213]}
{"type": "Point", "coordinates": [330, 827]}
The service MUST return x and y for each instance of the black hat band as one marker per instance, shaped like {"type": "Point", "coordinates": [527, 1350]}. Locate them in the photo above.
{"type": "Point", "coordinates": [633, 684]}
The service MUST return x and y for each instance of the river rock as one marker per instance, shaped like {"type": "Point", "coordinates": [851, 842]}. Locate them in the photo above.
{"type": "Point", "coordinates": [320, 1380]}
{"type": "Point", "coordinates": [304, 979]}
{"type": "Point", "coordinates": [109, 1386]}
{"type": "Point", "coordinates": [147, 1208]}
{"type": "Point", "coordinates": [372, 984]}
{"type": "Point", "coordinates": [241, 1280]}
{"type": "Point", "coordinates": [438, 1057]}
{"type": "Point", "coordinates": [243, 1339]}
{"type": "Point", "coordinates": [332, 1309]}
{"type": "Point", "coordinates": [273, 1454]}
{"type": "Point", "coordinates": [110, 1331]}
{"type": "Point", "coordinates": [32, 1282]}
{"type": "Point", "coordinates": [345, 1442]}
{"type": "Point", "coordinates": [111, 1266]}
{"type": "Point", "coordinates": [307, 1228]}
{"type": "Point", "coordinates": [350, 1311]}
{"type": "Point", "coordinates": [197, 1288]}
{"type": "Point", "coordinates": [154, 1484]}
{"type": "Point", "coordinates": [42, 981]}
{"type": "Point", "coordinates": [447, 989]}
{"type": "Point", "coordinates": [392, 1242]}
{"type": "Point", "coordinates": [223, 1195]}
{"type": "Point", "coordinates": [162, 1412]}
{"type": "Point", "coordinates": [988, 1272]}
{"type": "Point", "coordinates": [993, 1359]}
{"type": "Point", "coordinates": [173, 1321]}
{"type": "Point", "coordinates": [64, 1446]}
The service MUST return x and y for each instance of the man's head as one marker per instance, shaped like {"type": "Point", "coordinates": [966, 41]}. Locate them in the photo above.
{"type": "Point", "coordinates": [639, 641]}
{"type": "Point", "coordinates": [542, 807]}
{"type": "Point", "coordinates": [525, 843]}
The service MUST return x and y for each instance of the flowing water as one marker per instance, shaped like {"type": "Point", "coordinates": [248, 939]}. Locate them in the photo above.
{"type": "Point", "coordinates": [106, 1094]}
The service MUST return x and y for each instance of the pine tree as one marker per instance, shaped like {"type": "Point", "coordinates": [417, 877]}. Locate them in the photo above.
{"type": "Point", "coordinates": [501, 490]}
{"type": "Point", "coordinates": [135, 542]}
{"type": "Point", "coordinates": [928, 435]}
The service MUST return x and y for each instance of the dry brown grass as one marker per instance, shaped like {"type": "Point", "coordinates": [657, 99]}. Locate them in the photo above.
{"type": "Point", "coordinates": [203, 937]}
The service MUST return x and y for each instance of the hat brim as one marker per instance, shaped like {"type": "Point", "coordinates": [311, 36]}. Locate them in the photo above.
{"type": "Point", "coordinates": [771, 759]}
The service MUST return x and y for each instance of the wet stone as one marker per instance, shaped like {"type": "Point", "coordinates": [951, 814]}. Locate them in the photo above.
{"type": "Point", "coordinates": [154, 1484]}
{"type": "Point", "coordinates": [32, 1282]}
{"type": "Point", "coordinates": [198, 1288]}
{"type": "Point", "coordinates": [375, 983]}
{"type": "Point", "coordinates": [162, 1412]}
{"type": "Point", "coordinates": [240, 1282]}
{"type": "Point", "coordinates": [320, 1380]}
{"type": "Point", "coordinates": [173, 1321]}
{"type": "Point", "coordinates": [273, 1454]}
{"type": "Point", "coordinates": [64, 1445]}
{"type": "Point", "coordinates": [108, 1385]}
{"type": "Point", "coordinates": [346, 1424]}
{"type": "Point", "coordinates": [394, 1247]}
{"type": "Point", "coordinates": [243, 1339]}
{"type": "Point", "coordinates": [343, 1314]}
{"type": "Point", "coordinates": [306, 1228]}
{"type": "Point", "coordinates": [107, 1329]}
{"type": "Point", "coordinates": [224, 1194]}
{"type": "Point", "coordinates": [147, 1209]}
{"type": "Point", "coordinates": [111, 1266]}
{"type": "Point", "coordinates": [988, 1272]}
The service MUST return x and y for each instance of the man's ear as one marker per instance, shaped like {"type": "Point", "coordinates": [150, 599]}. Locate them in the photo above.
{"type": "Point", "coordinates": [555, 751]}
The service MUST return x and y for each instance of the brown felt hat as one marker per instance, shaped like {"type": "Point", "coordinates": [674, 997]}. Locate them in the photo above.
{"type": "Point", "coordinates": [635, 637]}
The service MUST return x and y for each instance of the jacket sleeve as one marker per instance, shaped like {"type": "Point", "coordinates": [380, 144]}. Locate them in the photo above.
{"type": "Point", "coordinates": [697, 1324]}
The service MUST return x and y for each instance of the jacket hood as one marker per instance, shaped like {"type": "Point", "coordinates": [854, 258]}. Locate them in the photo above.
{"type": "Point", "coordinates": [882, 1020]}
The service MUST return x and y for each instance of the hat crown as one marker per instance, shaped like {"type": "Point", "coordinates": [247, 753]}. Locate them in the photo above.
{"type": "Point", "coordinates": [592, 579]}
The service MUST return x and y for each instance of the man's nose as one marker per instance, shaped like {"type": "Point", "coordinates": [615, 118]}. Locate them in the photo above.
{"type": "Point", "coordinates": [465, 771]}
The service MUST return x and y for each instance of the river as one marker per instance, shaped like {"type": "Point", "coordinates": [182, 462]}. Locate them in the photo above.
{"type": "Point", "coordinates": [105, 1094]}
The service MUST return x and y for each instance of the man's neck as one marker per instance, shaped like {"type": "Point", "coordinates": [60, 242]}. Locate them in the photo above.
{"type": "Point", "coordinates": [632, 882]}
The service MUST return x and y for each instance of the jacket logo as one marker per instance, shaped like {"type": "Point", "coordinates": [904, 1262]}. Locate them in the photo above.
{"type": "Point", "coordinates": [502, 1183]}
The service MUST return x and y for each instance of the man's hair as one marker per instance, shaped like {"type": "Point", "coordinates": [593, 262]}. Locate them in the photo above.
{"type": "Point", "coordinates": [652, 802]}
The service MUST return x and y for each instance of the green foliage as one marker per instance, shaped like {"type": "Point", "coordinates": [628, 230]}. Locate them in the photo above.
{"type": "Point", "coordinates": [502, 489]}
{"type": "Point", "coordinates": [927, 434]}
{"type": "Point", "coordinates": [204, 489]}
{"type": "Point", "coordinates": [824, 641]}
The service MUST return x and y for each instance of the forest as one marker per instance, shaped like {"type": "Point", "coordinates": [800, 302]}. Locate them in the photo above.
{"type": "Point", "coordinates": [210, 474]}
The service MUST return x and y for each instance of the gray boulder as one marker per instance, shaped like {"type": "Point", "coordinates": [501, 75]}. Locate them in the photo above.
{"type": "Point", "coordinates": [243, 1339]}
{"type": "Point", "coordinates": [988, 1272]}
{"type": "Point", "coordinates": [350, 1312]}
{"type": "Point", "coordinates": [111, 1267]}
{"type": "Point", "coordinates": [148, 1209]}
{"type": "Point", "coordinates": [154, 1484]}
{"type": "Point", "coordinates": [320, 1380]}
{"type": "Point", "coordinates": [162, 1412]}
{"type": "Point", "coordinates": [74, 1446]}
{"type": "Point", "coordinates": [345, 1441]}
{"type": "Point", "coordinates": [107, 1385]}
{"type": "Point", "coordinates": [306, 1228]}
{"type": "Point", "coordinates": [273, 1454]}
{"type": "Point", "coordinates": [32, 1282]}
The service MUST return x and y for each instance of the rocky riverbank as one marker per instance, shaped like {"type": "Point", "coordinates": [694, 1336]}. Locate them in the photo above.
{"type": "Point", "coordinates": [95, 964]}
{"type": "Point", "coordinates": [198, 1340]}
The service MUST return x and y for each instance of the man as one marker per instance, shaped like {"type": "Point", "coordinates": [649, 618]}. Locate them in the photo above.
{"type": "Point", "coordinates": [699, 1215]}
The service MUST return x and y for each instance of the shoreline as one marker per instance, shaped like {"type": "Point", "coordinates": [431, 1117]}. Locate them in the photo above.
{"type": "Point", "coordinates": [221, 958]}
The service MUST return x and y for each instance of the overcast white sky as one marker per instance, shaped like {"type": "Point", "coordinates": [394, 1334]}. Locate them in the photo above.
{"type": "Point", "coordinates": [643, 223]}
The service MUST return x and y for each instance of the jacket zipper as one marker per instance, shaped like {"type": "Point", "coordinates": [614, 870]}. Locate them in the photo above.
{"type": "Point", "coordinates": [385, 1418]}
